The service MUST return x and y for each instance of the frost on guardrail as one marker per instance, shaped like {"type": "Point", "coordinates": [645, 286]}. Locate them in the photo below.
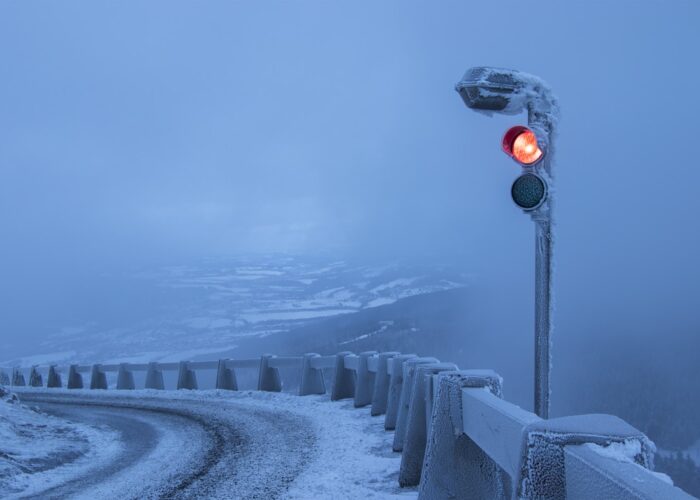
{"type": "Point", "coordinates": [457, 436]}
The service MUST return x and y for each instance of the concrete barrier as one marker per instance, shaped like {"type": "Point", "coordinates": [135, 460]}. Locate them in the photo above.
{"type": "Point", "coordinates": [154, 377]}
{"type": "Point", "coordinates": [18, 378]}
{"type": "Point", "coordinates": [344, 379]}
{"type": "Point", "coordinates": [268, 378]}
{"type": "Point", "coordinates": [458, 437]}
{"type": "Point", "coordinates": [125, 378]}
{"type": "Point", "coordinates": [541, 473]}
{"type": "Point", "coordinates": [416, 424]}
{"type": "Point", "coordinates": [592, 474]}
{"type": "Point", "coordinates": [186, 377]}
{"type": "Point", "coordinates": [395, 369]}
{"type": "Point", "coordinates": [381, 383]}
{"type": "Point", "coordinates": [75, 379]}
{"type": "Point", "coordinates": [311, 378]}
{"type": "Point", "coordinates": [98, 378]}
{"type": "Point", "coordinates": [364, 380]}
{"type": "Point", "coordinates": [226, 377]}
{"type": "Point", "coordinates": [454, 466]}
{"type": "Point", "coordinates": [405, 399]}
{"type": "Point", "coordinates": [53, 380]}
{"type": "Point", "coordinates": [35, 378]}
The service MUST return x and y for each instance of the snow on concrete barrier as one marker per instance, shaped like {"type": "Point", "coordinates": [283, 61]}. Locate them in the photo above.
{"type": "Point", "coordinates": [154, 377]}
{"type": "Point", "coordinates": [269, 377]}
{"type": "Point", "coordinates": [416, 424]}
{"type": "Point", "coordinates": [98, 378]}
{"type": "Point", "coordinates": [395, 370]}
{"type": "Point", "coordinates": [542, 470]}
{"type": "Point", "coordinates": [53, 380]}
{"type": "Point", "coordinates": [344, 379]}
{"type": "Point", "coordinates": [381, 383]}
{"type": "Point", "coordinates": [75, 379]}
{"type": "Point", "coordinates": [226, 376]}
{"type": "Point", "coordinates": [186, 378]}
{"type": "Point", "coordinates": [125, 378]}
{"type": "Point", "coordinates": [18, 378]}
{"type": "Point", "coordinates": [595, 472]}
{"type": "Point", "coordinates": [364, 380]}
{"type": "Point", "coordinates": [35, 379]}
{"type": "Point", "coordinates": [409, 367]}
{"type": "Point", "coordinates": [458, 437]}
{"type": "Point", "coordinates": [311, 378]}
{"type": "Point", "coordinates": [454, 465]}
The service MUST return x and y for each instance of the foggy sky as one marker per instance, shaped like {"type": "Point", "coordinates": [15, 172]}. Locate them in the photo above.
{"type": "Point", "coordinates": [153, 132]}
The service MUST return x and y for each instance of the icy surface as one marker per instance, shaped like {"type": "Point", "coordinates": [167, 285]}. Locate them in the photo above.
{"type": "Point", "coordinates": [350, 456]}
{"type": "Point", "coordinates": [38, 451]}
{"type": "Point", "coordinates": [625, 451]}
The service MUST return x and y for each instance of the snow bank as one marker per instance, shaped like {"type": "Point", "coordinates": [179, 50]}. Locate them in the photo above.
{"type": "Point", "coordinates": [38, 451]}
{"type": "Point", "coordinates": [354, 457]}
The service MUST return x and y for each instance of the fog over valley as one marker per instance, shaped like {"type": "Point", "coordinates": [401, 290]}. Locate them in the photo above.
{"type": "Point", "coordinates": [179, 182]}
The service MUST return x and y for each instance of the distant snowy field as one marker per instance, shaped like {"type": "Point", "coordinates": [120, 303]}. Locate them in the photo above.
{"type": "Point", "coordinates": [33, 445]}
{"type": "Point", "coordinates": [182, 312]}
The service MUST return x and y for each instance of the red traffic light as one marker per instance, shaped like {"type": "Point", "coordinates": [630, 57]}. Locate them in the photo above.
{"type": "Point", "coordinates": [520, 143]}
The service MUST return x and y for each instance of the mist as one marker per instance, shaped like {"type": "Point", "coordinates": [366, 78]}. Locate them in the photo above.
{"type": "Point", "coordinates": [144, 136]}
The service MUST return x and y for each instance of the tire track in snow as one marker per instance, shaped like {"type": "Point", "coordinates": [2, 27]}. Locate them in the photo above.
{"type": "Point", "coordinates": [245, 454]}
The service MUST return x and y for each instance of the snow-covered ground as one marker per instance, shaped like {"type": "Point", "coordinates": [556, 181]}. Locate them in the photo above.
{"type": "Point", "coordinates": [349, 456]}
{"type": "Point", "coordinates": [38, 451]}
{"type": "Point", "coordinates": [208, 307]}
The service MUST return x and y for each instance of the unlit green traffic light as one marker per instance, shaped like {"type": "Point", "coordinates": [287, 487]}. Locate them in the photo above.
{"type": "Point", "coordinates": [529, 191]}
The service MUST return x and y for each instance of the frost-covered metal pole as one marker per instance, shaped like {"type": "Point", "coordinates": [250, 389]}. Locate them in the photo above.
{"type": "Point", "coordinates": [496, 90]}
{"type": "Point", "coordinates": [542, 119]}
{"type": "Point", "coordinates": [543, 313]}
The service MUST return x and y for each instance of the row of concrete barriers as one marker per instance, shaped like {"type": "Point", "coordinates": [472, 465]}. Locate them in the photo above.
{"type": "Point", "coordinates": [458, 438]}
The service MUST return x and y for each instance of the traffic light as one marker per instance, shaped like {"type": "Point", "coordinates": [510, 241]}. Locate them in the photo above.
{"type": "Point", "coordinates": [520, 143]}
{"type": "Point", "coordinates": [529, 190]}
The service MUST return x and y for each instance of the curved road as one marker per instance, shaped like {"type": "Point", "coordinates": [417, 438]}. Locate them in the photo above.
{"type": "Point", "coordinates": [183, 448]}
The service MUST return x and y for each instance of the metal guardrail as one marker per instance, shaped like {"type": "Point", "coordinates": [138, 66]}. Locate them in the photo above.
{"type": "Point", "coordinates": [458, 438]}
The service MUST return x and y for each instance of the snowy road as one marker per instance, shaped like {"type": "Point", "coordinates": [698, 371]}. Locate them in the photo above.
{"type": "Point", "coordinates": [218, 445]}
{"type": "Point", "coordinates": [185, 449]}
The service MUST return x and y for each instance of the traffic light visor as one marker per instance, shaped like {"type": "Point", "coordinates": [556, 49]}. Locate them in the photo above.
{"type": "Point", "coordinates": [520, 143]}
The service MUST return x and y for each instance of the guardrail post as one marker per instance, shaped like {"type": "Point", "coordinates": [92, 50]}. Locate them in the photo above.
{"type": "Point", "coordinates": [75, 379]}
{"type": "Point", "coordinates": [154, 377]}
{"type": "Point", "coordinates": [343, 380]}
{"type": "Point", "coordinates": [125, 378]}
{"type": "Point", "coordinates": [226, 377]}
{"type": "Point", "coordinates": [405, 398]}
{"type": "Point", "coordinates": [268, 378]}
{"type": "Point", "coordinates": [364, 384]}
{"type": "Point", "coordinates": [18, 378]}
{"type": "Point", "coordinates": [53, 380]}
{"type": "Point", "coordinates": [542, 467]}
{"type": "Point", "coordinates": [454, 466]}
{"type": "Point", "coordinates": [381, 383]}
{"type": "Point", "coordinates": [186, 378]}
{"type": "Point", "coordinates": [416, 424]}
{"type": "Point", "coordinates": [4, 379]}
{"type": "Point", "coordinates": [311, 379]}
{"type": "Point", "coordinates": [98, 378]}
{"type": "Point", "coordinates": [395, 365]}
{"type": "Point", "coordinates": [35, 378]}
